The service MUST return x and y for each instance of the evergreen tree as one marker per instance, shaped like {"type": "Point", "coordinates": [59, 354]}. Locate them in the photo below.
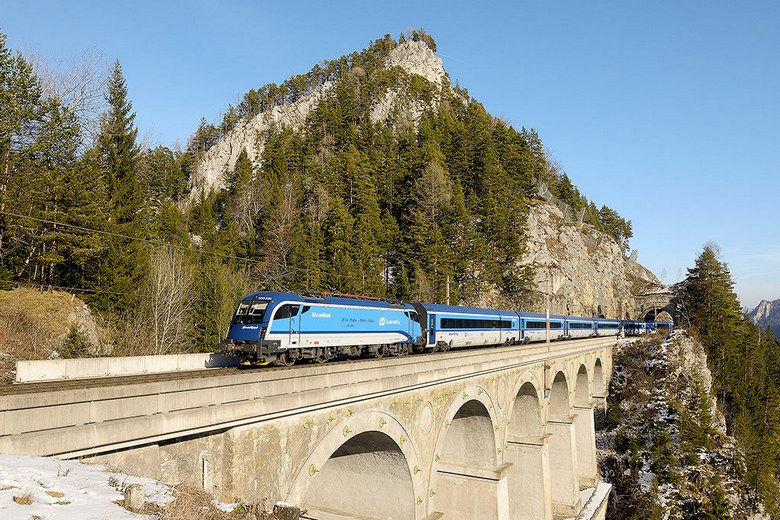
{"type": "Point", "coordinates": [20, 114]}
{"type": "Point", "coordinates": [119, 151]}
{"type": "Point", "coordinates": [121, 270]}
{"type": "Point", "coordinates": [744, 372]}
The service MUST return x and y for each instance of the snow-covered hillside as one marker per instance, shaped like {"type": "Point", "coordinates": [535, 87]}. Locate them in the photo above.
{"type": "Point", "coordinates": [36, 487]}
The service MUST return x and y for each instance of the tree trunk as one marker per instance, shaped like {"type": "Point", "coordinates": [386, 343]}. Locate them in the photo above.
{"type": "Point", "coordinates": [3, 191]}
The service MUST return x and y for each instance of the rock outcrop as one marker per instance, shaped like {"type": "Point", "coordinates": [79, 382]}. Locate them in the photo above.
{"type": "Point", "coordinates": [587, 272]}
{"type": "Point", "coordinates": [415, 57]}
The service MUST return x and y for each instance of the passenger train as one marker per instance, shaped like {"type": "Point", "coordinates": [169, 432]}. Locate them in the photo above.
{"type": "Point", "coordinates": [282, 328]}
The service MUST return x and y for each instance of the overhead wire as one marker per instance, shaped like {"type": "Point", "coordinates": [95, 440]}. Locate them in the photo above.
{"type": "Point", "coordinates": [350, 276]}
{"type": "Point", "coordinates": [128, 237]}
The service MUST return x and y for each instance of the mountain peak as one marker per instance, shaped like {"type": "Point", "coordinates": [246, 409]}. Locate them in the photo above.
{"type": "Point", "coordinates": [767, 314]}
{"type": "Point", "coordinates": [414, 57]}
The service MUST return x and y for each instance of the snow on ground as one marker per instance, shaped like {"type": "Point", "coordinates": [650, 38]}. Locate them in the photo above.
{"type": "Point", "coordinates": [67, 490]}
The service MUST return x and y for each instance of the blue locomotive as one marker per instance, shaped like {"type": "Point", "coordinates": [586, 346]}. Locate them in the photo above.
{"type": "Point", "coordinates": [282, 328]}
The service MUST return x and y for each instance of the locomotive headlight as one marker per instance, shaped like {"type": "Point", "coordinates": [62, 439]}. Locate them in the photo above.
{"type": "Point", "coordinates": [261, 333]}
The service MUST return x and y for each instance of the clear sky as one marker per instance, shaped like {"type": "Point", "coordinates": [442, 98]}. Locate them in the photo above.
{"type": "Point", "coordinates": [666, 111]}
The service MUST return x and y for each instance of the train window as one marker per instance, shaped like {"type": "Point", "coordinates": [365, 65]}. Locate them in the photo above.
{"type": "Point", "coordinates": [287, 311]}
{"type": "Point", "coordinates": [306, 308]}
{"type": "Point", "coordinates": [250, 311]}
{"type": "Point", "coordinates": [543, 325]}
{"type": "Point", "coordinates": [580, 326]}
{"type": "Point", "coordinates": [460, 323]}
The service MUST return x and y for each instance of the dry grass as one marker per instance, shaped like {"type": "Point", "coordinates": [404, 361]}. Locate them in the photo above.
{"type": "Point", "coordinates": [192, 502]}
{"type": "Point", "coordinates": [24, 500]}
{"type": "Point", "coordinates": [21, 337]}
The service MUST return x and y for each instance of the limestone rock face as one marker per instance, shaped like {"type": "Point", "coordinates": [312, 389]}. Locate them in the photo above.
{"type": "Point", "coordinates": [587, 272]}
{"type": "Point", "coordinates": [220, 158]}
{"type": "Point", "coordinates": [413, 57]}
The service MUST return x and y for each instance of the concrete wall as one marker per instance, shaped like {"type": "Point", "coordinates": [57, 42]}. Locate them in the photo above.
{"type": "Point", "coordinates": [57, 369]}
{"type": "Point", "coordinates": [467, 435]}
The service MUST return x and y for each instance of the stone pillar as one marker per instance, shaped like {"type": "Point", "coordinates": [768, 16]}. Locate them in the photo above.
{"type": "Point", "coordinates": [587, 469]}
{"type": "Point", "coordinates": [563, 467]}
{"type": "Point", "coordinates": [468, 493]}
{"type": "Point", "coordinates": [530, 494]}
{"type": "Point", "coordinates": [600, 411]}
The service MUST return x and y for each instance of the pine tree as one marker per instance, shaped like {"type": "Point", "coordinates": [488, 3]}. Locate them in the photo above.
{"type": "Point", "coordinates": [20, 114]}
{"type": "Point", "coordinates": [122, 268]}
{"type": "Point", "coordinates": [119, 151]}
{"type": "Point", "coordinates": [744, 370]}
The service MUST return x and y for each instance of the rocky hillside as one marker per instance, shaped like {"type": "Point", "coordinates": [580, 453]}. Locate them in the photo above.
{"type": "Point", "coordinates": [767, 314]}
{"type": "Point", "coordinates": [665, 449]}
{"type": "Point", "coordinates": [414, 57]}
{"type": "Point", "coordinates": [43, 325]}
{"type": "Point", "coordinates": [587, 271]}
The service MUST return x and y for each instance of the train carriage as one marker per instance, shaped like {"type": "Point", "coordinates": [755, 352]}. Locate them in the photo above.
{"type": "Point", "coordinates": [450, 326]}
{"type": "Point", "coordinates": [663, 325]}
{"type": "Point", "coordinates": [534, 327]}
{"type": "Point", "coordinates": [605, 327]}
{"type": "Point", "coordinates": [579, 327]}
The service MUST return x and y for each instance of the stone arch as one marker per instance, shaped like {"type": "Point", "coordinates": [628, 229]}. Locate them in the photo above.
{"type": "Point", "coordinates": [477, 418]}
{"type": "Point", "coordinates": [528, 478]}
{"type": "Point", "coordinates": [582, 387]}
{"type": "Point", "coordinates": [599, 385]}
{"type": "Point", "coordinates": [463, 473]}
{"type": "Point", "coordinates": [559, 405]}
{"type": "Point", "coordinates": [585, 433]}
{"type": "Point", "coordinates": [525, 420]}
{"type": "Point", "coordinates": [362, 468]}
{"type": "Point", "coordinates": [659, 313]}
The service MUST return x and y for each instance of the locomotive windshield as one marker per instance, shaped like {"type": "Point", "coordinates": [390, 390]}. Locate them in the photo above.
{"type": "Point", "coordinates": [250, 311]}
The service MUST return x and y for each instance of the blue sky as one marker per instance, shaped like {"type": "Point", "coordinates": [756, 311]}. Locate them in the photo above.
{"type": "Point", "coordinates": [666, 111]}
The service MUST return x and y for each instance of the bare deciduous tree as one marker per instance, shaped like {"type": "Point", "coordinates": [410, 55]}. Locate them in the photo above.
{"type": "Point", "coordinates": [278, 243]}
{"type": "Point", "coordinates": [168, 300]}
{"type": "Point", "coordinates": [79, 84]}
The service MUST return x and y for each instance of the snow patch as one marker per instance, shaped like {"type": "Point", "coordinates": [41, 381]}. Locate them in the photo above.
{"type": "Point", "coordinates": [63, 490]}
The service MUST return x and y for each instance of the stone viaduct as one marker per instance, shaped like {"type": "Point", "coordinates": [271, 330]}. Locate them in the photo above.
{"type": "Point", "coordinates": [479, 433]}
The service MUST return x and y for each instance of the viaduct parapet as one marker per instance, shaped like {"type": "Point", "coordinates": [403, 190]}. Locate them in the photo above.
{"type": "Point", "coordinates": [469, 434]}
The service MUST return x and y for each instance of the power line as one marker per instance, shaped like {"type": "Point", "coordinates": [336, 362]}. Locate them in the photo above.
{"type": "Point", "coordinates": [348, 276]}
{"type": "Point", "coordinates": [128, 237]}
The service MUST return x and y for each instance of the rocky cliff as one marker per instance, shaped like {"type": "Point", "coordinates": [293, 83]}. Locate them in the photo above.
{"type": "Point", "coordinates": [767, 314]}
{"type": "Point", "coordinates": [414, 57]}
{"type": "Point", "coordinates": [587, 272]}
{"type": "Point", "coordinates": [665, 449]}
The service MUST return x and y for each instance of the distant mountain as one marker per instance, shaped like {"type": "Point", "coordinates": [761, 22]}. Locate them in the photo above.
{"type": "Point", "coordinates": [767, 314]}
